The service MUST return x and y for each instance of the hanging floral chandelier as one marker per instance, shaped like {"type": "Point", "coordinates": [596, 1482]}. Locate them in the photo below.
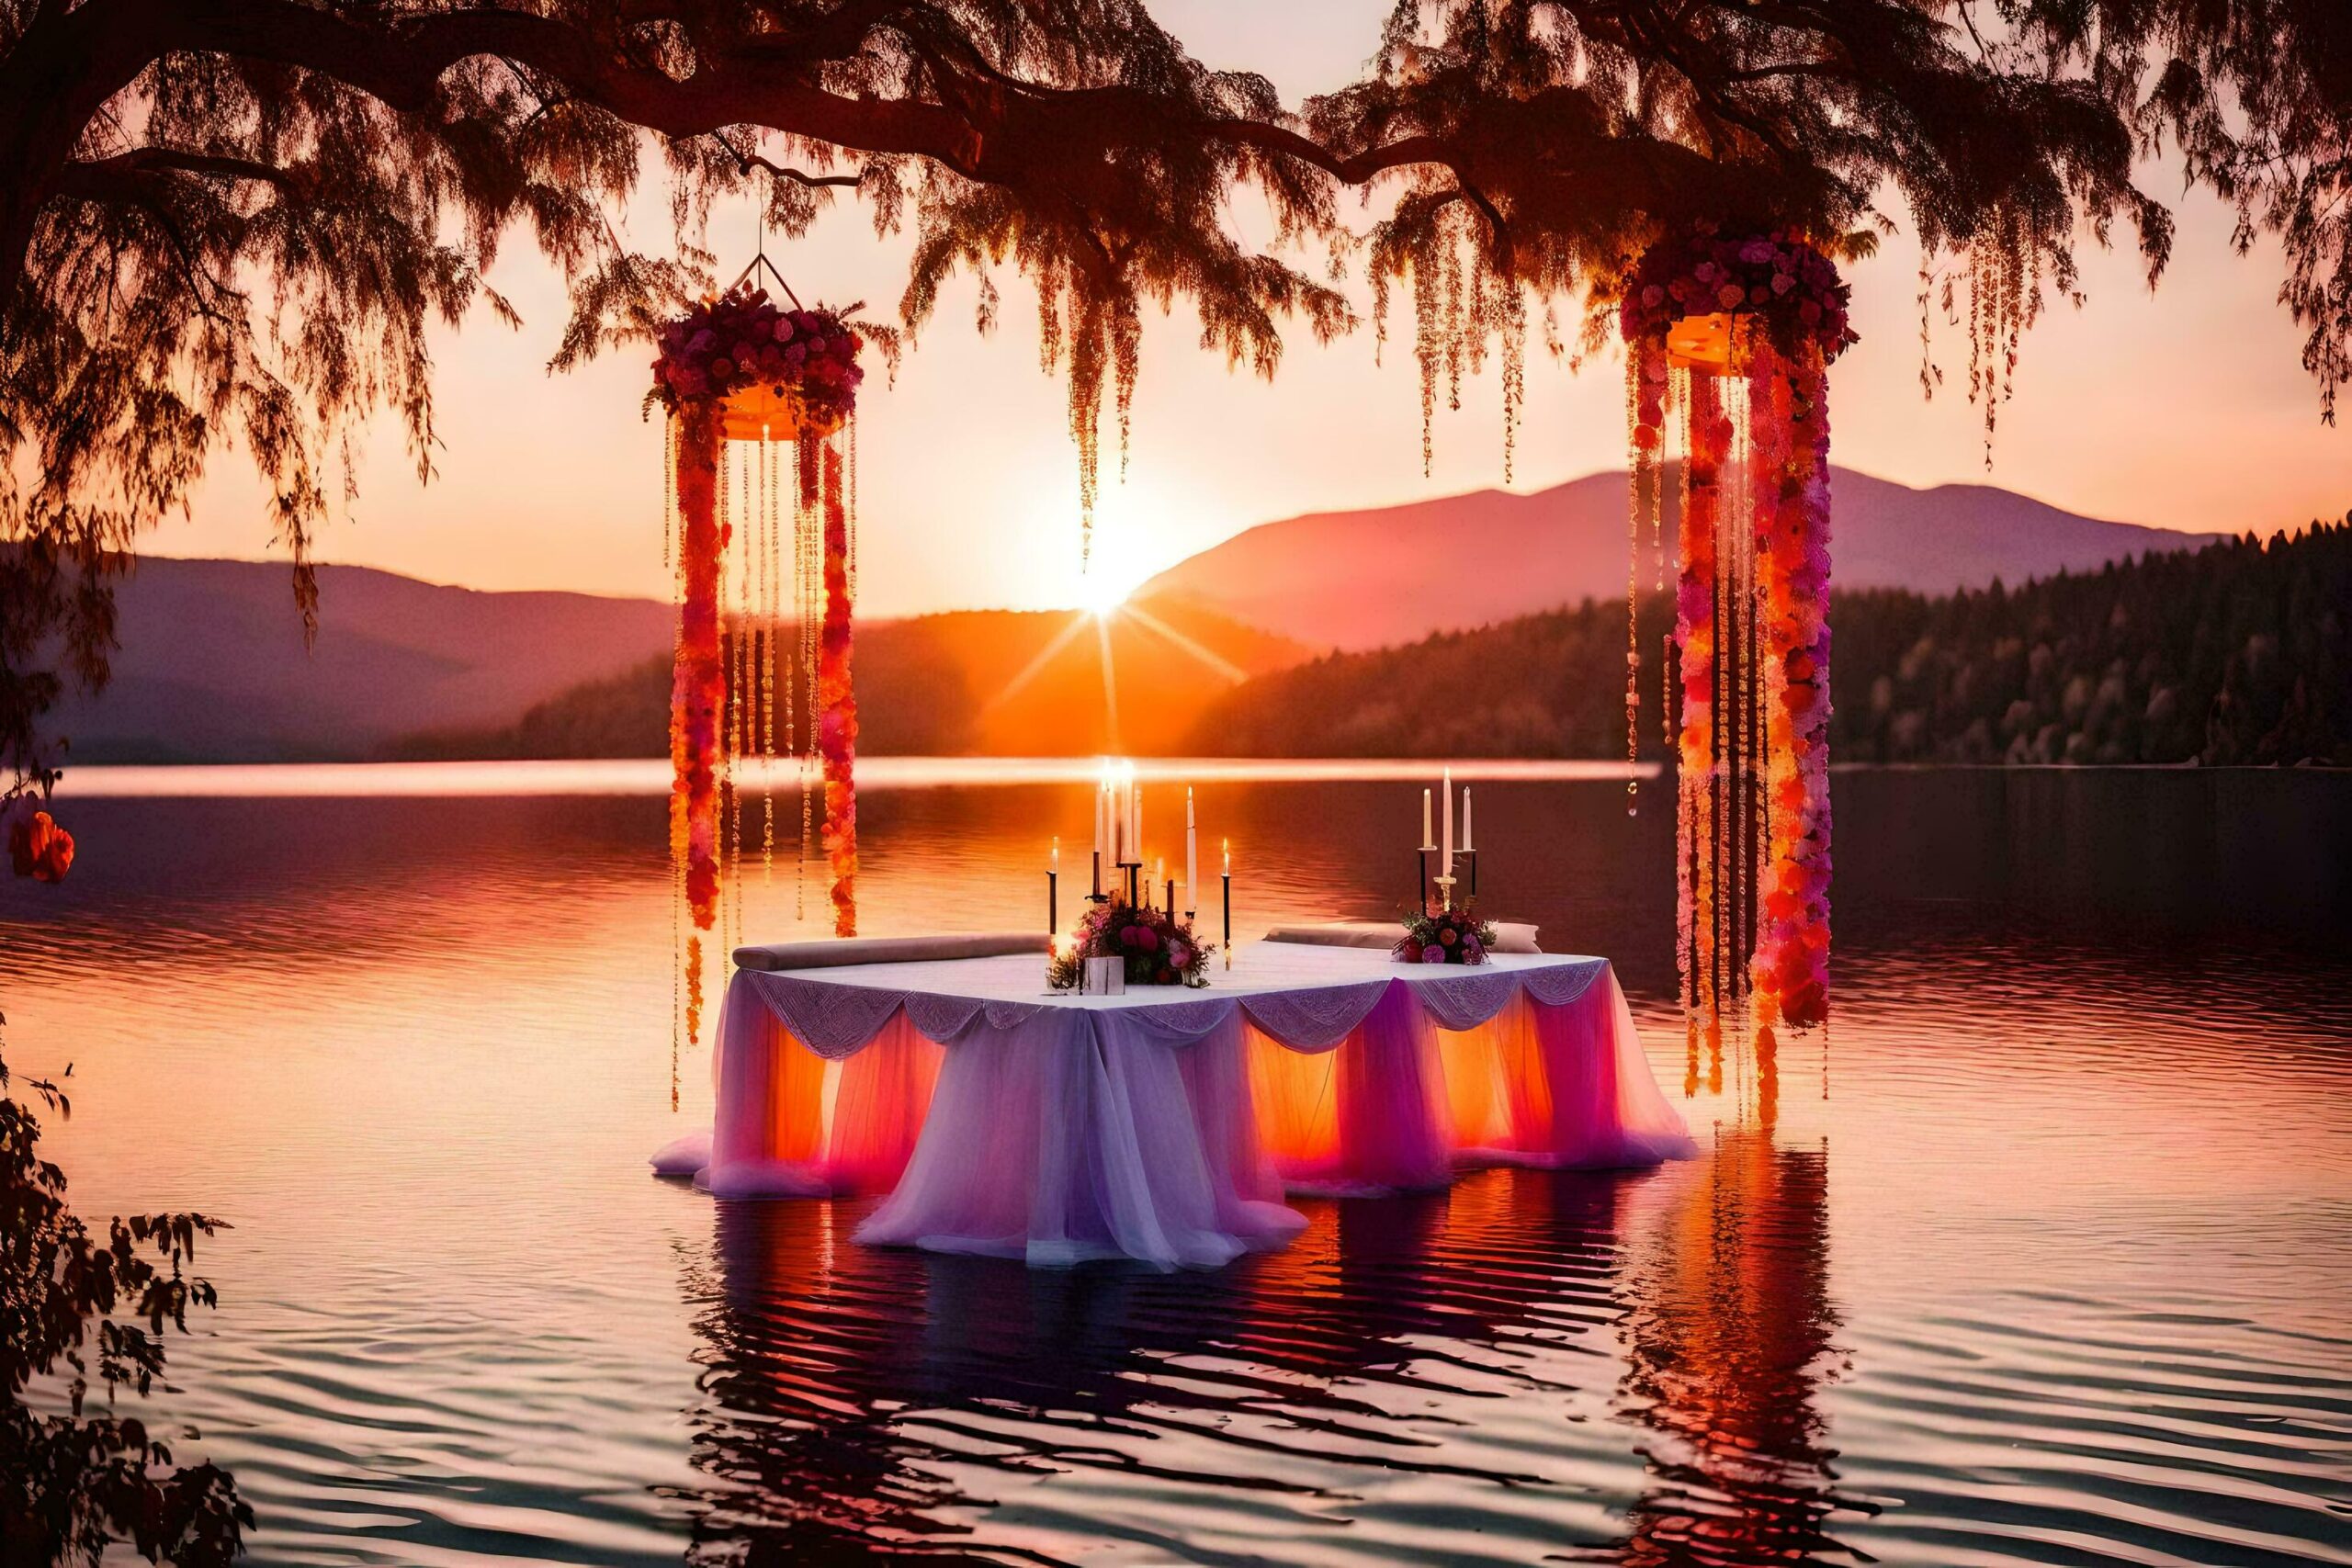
{"type": "Point", "coordinates": [761, 403]}
{"type": "Point", "coordinates": [1728, 340]}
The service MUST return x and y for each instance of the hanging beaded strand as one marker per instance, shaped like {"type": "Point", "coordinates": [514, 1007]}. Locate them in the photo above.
{"type": "Point", "coordinates": [809, 547]}
{"type": "Point", "coordinates": [725, 764]}
{"type": "Point", "coordinates": [676, 568]}
{"type": "Point", "coordinates": [783, 602]}
{"type": "Point", "coordinates": [768, 660]}
{"type": "Point", "coordinates": [1742, 531]}
{"type": "Point", "coordinates": [1685, 784]}
{"type": "Point", "coordinates": [1720, 774]}
{"type": "Point", "coordinates": [1643, 470]}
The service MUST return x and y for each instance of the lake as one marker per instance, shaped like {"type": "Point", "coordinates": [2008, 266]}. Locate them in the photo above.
{"type": "Point", "coordinates": [2042, 1255]}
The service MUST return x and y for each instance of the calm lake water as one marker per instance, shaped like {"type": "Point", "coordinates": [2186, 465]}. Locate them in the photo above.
{"type": "Point", "coordinates": [2044, 1257]}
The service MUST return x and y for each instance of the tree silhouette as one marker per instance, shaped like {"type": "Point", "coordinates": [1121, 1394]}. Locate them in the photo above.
{"type": "Point", "coordinates": [71, 1483]}
{"type": "Point", "coordinates": [230, 222]}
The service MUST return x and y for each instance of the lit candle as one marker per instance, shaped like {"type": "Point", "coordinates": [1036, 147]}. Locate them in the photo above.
{"type": "Point", "coordinates": [1228, 903]}
{"type": "Point", "coordinates": [1131, 823]}
{"type": "Point", "coordinates": [1191, 851]}
{"type": "Point", "coordinates": [1467, 847]}
{"type": "Point", "coordinates": [1445, 846]}
{"type": "Point", "coordinates": [1429, 839]}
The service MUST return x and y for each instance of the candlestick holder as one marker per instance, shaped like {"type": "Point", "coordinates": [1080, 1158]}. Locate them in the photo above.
{"type": "Point", "coordinates": [1421, 866]}
{"type": "Point", "coordinates": [1098, 896]}
{"type": "Point", "coordinates": [1053, 903]}
{"type": "Point", "coordinates": [1228, 919]}
{"type": "Point", "coordinates": [1132, 877]}
{"type": "Point", "coordinates": [1472, 857]}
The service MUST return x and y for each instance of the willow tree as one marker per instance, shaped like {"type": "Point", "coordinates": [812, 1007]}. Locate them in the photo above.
{"type": "Point", "coordinates": [1550, 142]}
{"type": "Point", "coordinates": [229, 222]}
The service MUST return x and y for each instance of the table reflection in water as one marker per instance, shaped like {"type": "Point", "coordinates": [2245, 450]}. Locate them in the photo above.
{"type": "Point", "coordinates": [1466, 1360]}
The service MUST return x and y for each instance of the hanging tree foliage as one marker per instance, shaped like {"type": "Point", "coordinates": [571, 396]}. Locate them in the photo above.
{"type": "Point", "coordinates": [229, 222]}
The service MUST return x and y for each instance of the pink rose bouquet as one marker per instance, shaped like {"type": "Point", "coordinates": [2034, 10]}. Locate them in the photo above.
{"type": "Point", "coordinates": [741, 342]}
{"type": "Point", "coordinates": [1450, 936]}
{"type": "Point", "coordinates": [1157, 948]}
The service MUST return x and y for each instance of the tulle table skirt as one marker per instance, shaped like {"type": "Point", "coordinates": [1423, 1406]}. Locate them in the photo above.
{"type": "Point", "coordinates": [1165, 1125]}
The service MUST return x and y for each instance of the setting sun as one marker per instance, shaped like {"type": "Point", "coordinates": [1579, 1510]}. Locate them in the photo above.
{"type": "Point", "coordinates": [1128, 522]}
{"type": "Point", "coordinates": [1101, 590]}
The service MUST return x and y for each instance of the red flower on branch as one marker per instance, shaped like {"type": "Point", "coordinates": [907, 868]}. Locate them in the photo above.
{"type": "Point", "coordinates": [38, 848]}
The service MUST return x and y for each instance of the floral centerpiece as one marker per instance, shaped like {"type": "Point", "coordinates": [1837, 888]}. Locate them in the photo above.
{"type": "Point", "coordinates": [1451, 936]}
{"type": "Point", "coordinates": [1774, 279]}
{"type": "Point", "coordinates": [1157, 948]}
{"type": "Point", "coordinates": [742, 345]}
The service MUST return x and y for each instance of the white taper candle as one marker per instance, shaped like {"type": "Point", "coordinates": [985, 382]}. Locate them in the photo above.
{"type": "Point", "coordinates": [1192, 849]}
{"type": "Point", "coordinates": [1445, 846]}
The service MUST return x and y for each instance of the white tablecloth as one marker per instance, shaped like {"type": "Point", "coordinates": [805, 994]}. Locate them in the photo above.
{"type": "Point", "coordinates": [1163, 1124]}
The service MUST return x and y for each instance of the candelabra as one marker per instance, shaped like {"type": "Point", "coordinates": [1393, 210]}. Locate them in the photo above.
{"type": "Point", "coordinates": [1445, 880]}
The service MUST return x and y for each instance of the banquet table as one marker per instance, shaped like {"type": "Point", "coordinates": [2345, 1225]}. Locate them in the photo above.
{"type": "Point", "coordinates": [1165, 1124]}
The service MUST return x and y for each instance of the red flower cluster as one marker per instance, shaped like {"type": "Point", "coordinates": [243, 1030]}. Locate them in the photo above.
{"type": "Point", "coordinates": [1450, 936]}
{"type": "Point", "coordinates": [1780, 280]}
{"type": "Point", "coordinates": [741, 340]}
{"type": "Point", "coordinates": [38, 848]}
{"type": "Point", "coordinates": [1159, 949]}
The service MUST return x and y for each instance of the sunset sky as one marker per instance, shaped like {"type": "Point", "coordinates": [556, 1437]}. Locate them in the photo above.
{"type": "Point", "coordinates": [2186, 408]}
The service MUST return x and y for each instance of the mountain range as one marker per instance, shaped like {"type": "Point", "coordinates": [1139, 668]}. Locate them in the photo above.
{"type": "Point", "coordinates": [1362, 580]}
{"type": "Point", "coordinates": [212, 666]}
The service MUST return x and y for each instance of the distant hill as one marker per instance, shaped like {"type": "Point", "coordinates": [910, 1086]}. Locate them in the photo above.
{"type": "Point", "coordinates": [2237, 653]}
{"type": "Point", "coordinates": [1394, 574]}
{"type": "Point", "coordinates": [1002, 682]}
{"type": "Point", "coordinates": [213, 667]}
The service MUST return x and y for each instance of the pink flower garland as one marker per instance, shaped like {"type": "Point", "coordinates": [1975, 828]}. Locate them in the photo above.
{"type": "Point", "coordinates": [697, 684]}
{"type": "Point", "coordinates": [1789, 969]}
{"type": "Point", "coordinates": [1789, 312]}
{"type": "Point", "coordinates": [837, 701]}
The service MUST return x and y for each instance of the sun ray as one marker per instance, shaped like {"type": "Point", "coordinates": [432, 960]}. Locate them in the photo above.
{"type": "Point", "coordinates": [1110, 685]}
{"type": "Point", "coordinates": [1215, 661]}
{"type": "Point", "coordinates": [1044, 656]}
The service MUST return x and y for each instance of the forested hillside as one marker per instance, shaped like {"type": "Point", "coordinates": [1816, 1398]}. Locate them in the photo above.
{"type": "Point", "coordinates": [2237, 653]}
{"type": "Point", "coordinates": [1002, 682]}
